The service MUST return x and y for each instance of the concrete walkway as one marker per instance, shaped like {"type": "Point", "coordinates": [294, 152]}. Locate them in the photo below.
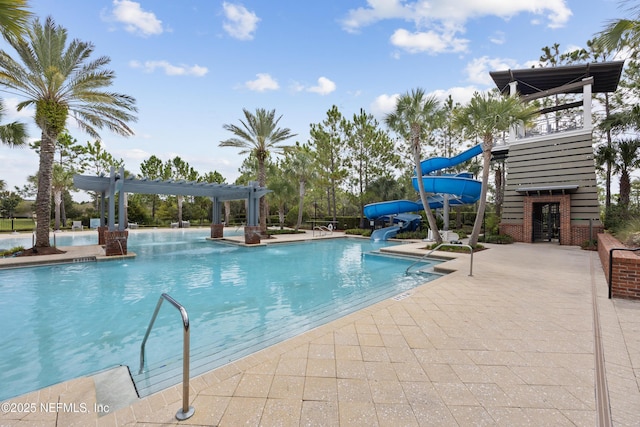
{"type": "Point", "coordinates": [529, 339]}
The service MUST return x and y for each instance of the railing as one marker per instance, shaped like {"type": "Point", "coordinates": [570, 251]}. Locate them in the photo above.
{"type": "Point", "coordinates": [322, 229]}
{"type": "Point", "coordinates": [611, 264]}
{"type": "Point", "coordinates": [456, 245]}
{"type": "Point", "coordinates": [186, 411]}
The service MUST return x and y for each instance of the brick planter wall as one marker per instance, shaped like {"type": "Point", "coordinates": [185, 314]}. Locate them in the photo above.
{"type": "Point", "coordinates": [625, 280]}
{"type": "Point", "coordinates": [252, 235]}
{"type": "Point", "coordinates": [116, 242]}
{"type": "Point", "coordinates": [217, 230]}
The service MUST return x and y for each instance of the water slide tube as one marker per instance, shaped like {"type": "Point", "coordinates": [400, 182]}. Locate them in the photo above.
{"type": "Point", "coordinates": [461, 188]}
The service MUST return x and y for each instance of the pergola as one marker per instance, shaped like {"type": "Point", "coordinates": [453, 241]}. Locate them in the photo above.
{"type": "Point", "coordinates": [116, 183]}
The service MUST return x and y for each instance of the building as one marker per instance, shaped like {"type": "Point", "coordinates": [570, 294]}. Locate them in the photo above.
{"type": "Point", "coordinates": [551, 191]}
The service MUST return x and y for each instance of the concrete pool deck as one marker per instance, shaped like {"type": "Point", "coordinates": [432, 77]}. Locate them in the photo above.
{"type": "Point", "coordinates": [529, 339]}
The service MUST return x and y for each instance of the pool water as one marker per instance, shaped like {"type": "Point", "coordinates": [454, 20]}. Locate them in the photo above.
{"type": "Point", "coordinates": [65, 321]}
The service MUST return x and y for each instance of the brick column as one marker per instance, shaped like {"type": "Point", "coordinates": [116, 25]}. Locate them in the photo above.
{"type": "Point", "coordinates": [116, 242]}
{"type": "Point", "coordinates": [217, 231]}
{"type": "Point", "coordinates": [252, 235]}
{"type": "Point", "coordinates": [101, 231]}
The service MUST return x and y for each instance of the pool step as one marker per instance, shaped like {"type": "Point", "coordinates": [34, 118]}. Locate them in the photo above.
{"type": "Point", "coordinates": [114, 389]}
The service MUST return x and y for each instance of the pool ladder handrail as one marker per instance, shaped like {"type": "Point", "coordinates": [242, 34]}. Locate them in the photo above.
{"type": "Point", "coordinates": [322, 230]}
{"type": "Point", "coordinates": [438, 247]}
{"type": "Point", "coordinates": [186, 411]}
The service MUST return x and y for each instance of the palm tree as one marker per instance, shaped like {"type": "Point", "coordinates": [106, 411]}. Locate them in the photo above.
{"type": "Point", "coordinates": [302, 167]}
{"type": "Point", "coordinates": [622, 31]}
{"type": "Point", "coordinates": [12, 134]}
{"type": "Point", "coordinates": [14, 18]}
{"type": "Point", "coordinates": [60, 80]}
{"type": "Point", "coordinates": [282, 187]}
{"type": "Point", "coordinates": [414, 117]}
{"type": "Point", "coordinates": [628, 159]}
{"type": "Point", "coordinates": [61, 180]}
{"type": "Point", "coordinates": [259, 135]}
{"type": "Point", "coordinates": [487, 115]}
{"type": "Point", "coordinates": [605, 157]}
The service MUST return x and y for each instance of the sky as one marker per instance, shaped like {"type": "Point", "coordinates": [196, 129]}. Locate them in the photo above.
{"type": "Point", "coordinates": [193, 65]}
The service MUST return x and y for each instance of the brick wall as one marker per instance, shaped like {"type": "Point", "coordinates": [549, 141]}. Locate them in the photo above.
{"type": "Point", "coordinates": [625, 280]}
{"type": "Point", "coordinates": [116, 242]}
{"type": "Point", "coordinates": [574, 235]}
{"type": "Point", "coordinates": [513, 230]}
{"type": "Point", "coordinates": [583, 233]}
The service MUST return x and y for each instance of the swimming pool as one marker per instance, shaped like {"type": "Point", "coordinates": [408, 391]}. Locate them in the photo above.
{"type": "Point", "coordinates": [65, 321]}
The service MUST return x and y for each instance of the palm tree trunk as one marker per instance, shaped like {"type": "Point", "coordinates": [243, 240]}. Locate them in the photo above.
{"type": "Point", "coordinates": [300, 205]}
{"type": "Point", "coordinates": [482, 204]}
{"type": "Point", "coordinates": [625, 189]}
{"type": "Point", "coordinates": [57, 200]}
{"type": "Point", "coordinates": [262, 179]}
{"type": "Point", "coordinates": [499, 181]}
{"type": "Point", "coordinates": [180, 201]}
{"type": "Point", "coordinates": [423, 197]}
{"type": "Point", "coordinates": [43, 197]}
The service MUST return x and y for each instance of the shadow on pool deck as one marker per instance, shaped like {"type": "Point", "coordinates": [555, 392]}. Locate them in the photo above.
{"type": "Point", "coordinates": [513, 344]}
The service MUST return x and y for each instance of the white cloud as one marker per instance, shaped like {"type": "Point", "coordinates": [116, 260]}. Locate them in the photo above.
{"type": "Point", "coordinates": [240, 23]}
{"type": "Point", "coordinates": [498, 37]}
{"type": "Point", "coordinates": [324, 86]}
{"type": "Point", "coordinates": [384, 104]}
{"type": "Point", "coordinates": [262, 83]}
{"type": "Point", "coordinates": [11, 113]}
{"type": "Point", "coordinates": [478, 69]}
{"type": "Point", "coordinates": [296, 86]}
{"type": "Point", "coordinates": [170, 69]}
{"type": "Point", "coordinates": [135, 19]}
{"type": "Point", "coordinates": [439, 22]}
{"type": "Point", "coordinates": [429, 41]}
{"type": "Point", "coordinates": [461, 95]}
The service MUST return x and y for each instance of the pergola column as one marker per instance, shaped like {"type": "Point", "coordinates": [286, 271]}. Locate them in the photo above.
{"type": "Point", "coordinates": [217, 228]}
{"type": "Point", "coordinates": [115, 241]}
{"type": "Point", "coordinates": [252, 229]}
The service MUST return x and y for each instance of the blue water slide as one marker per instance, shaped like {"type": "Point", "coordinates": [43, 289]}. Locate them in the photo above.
{"type": "Point", "coordinates": [461, 188]}
{"type": "Point", "coordinates": [403, 222]}
{"type": "Point", "coordinates": [438, 163]}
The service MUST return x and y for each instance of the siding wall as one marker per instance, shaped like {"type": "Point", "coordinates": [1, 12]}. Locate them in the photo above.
{"type": "Point", "coordinates": [565, 159]}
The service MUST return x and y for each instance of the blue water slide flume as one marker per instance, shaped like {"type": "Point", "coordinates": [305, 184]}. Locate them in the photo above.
{"type": "Point", "coordinates": [461, 188]}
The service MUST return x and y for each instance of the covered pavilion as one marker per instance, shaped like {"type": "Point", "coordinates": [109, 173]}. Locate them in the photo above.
{"type": "Point", "coordinates": [114, 236]}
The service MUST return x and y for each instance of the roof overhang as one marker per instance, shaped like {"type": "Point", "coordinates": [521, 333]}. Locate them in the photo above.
{"type": "Point", "coordinates": [548, 189]}
{"type": "Point", "coordinates": [606, 76]}
{"type": "Point", "coordinates": [222, 192]}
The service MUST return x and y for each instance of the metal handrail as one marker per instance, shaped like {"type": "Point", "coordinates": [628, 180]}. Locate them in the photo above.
{"type": "Point", "coordinates": [611, 264]}
{"type": "Point", "coordinates": [322, 230]}
{"type": "Point", "coordinates": [186, 411]}
{"type": "Point", "coordinates": [438, 247]}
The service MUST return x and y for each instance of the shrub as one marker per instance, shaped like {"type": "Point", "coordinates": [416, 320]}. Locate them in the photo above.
{"type": "Point", "coordinates": [590, 245]}
{"type": "Point", "coordinates": [420, 234]}
{"type": "Point", "coordinates": [358, 232]}
{"type": "Point", "coordinates": [271, 232]}
{"type": "Point", "coordinates": [496, 238]}
{"type": "Point", "coordinates": [448, 248]}
{"type": "Point", "coordinates": [10, 252]}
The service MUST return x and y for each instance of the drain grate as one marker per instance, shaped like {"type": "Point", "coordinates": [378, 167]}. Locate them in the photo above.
{"type": "Point", "coordinates": [84, 259]}
{"type": "Point", "coordinates": [401, 296]}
